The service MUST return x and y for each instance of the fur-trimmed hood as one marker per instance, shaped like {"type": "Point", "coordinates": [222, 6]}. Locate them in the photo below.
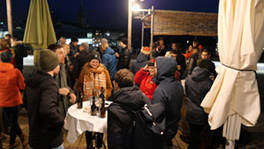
{"type": "Point", "coordinates": [16, 43]}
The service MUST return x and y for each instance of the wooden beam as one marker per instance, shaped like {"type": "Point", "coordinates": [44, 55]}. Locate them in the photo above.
{"type": "Point", "coordinates": [9, 17]}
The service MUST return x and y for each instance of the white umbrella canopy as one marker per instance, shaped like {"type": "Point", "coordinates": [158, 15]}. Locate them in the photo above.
{"type": "Point", "coordinates": [240, 43]}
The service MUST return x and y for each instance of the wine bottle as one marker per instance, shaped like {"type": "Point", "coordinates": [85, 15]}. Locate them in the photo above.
{"type": "Point", "coordinates": [93, 108]}
{"type": "Point", "coordinates": [79, 100]}
{"type": "Point", "coordinates": [102, 109]}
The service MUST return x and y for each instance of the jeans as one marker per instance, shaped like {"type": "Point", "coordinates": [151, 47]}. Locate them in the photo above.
{"type": "Point", "coordinates": [11, 114]}
{"type": "Point", "coordinates": [59, 147]}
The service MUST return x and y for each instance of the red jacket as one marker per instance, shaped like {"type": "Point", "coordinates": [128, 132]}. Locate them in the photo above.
{"type": "Point", "coordinates": [147, 85]}
{"type": "Point", "coordinates": [11, 82]}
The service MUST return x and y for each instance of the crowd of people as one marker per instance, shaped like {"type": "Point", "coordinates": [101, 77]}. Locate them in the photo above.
{"type": "Point", "coordinates": [63, 70]}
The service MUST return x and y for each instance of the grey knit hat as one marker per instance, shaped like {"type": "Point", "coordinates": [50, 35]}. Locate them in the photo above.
{"type": "Point", "coordinates": [85, 45]}
{"type": "Point", "coordinates": [104, 40]}
{"type": "Point", "coordinates": [48, 60]}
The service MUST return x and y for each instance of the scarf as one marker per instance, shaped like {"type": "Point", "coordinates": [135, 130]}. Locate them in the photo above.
{"type": "Point", "coordinates": [93, 82]}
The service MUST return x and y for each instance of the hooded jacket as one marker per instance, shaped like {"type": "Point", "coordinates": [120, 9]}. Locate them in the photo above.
{"type": "Point", "coordinates": [120, 121]}
{"type": "Point", "coordinates": [196, 86]}
{"type": "Point", "coordinates": [141, 61]}
{"type": "Point", "coordinates": [11, 82]}
{"type": "Point", "coordinates": [19, 51]}
{"type": "Point", "coordinates": [146, 83]}
{"type": "Point", "coordinates": [41, 99]}
{"type": "Point", "coordinates": [79, 62]}
{"type": "Point", "coordinates": [169, 94]}
{"type": "Point", "coordinates": [109, 61]}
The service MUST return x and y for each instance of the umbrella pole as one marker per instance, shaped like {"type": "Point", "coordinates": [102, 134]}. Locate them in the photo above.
{"type": "Point", "coordinates": [231, 130]}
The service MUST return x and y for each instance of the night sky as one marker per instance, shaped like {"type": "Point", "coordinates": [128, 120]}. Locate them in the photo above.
{"type": "Point", "coordinates": [107, 13]}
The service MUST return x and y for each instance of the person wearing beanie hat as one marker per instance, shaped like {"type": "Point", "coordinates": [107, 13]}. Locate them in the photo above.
{"type": "Point", "coordinates": [48, 60]}
{"type": "Point", "coordinates": [104, 40]}
{"type": "Point", "coordinates": [144, 78]}
{"type": "Point", "coordinates": [197, 85]}
{"type": "Point", "coordinates": [67, 95]}
{"type": "Point", "coordinates": [12, 81]}
{"type": "Point", "coordinates": [93, 77]}
{"type": "Point", "coordinates": [208, 65]}
{"type": "Point", "coordinates": [80, 60]}
{"type": "Point", "coordinates": [42, 101]}
{"type": "Point", "coordinates": [142, 59]}
{"type": "Point", "coordinates": [73, 48]}
{"type": "Point", "coordinates": [124, 41]}
{"type": "Point", "coordinates": [124, 56]}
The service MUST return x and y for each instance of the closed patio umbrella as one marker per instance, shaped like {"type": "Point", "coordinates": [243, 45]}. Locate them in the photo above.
{"type": "Point", "coordinates": [39, 30]}
{"type": "Point", "coordinates": [234, 96]}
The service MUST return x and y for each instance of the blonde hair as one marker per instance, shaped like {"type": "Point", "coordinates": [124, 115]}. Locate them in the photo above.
{"type": "Point", "coordinates": [104, 46]}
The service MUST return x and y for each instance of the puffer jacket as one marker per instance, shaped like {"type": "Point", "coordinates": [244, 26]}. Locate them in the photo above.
{"type": "Point", "coordinates": [146, 83]}
{"type": "Point", "coordinates": [109, 61]}
{"type": "Point", "coordinates": [11, 82]}
{"type": "Point", "coordinates": [197, 85]}
{"type": "Point", "coordinates": [41, 99]}
{"type": "Point", "coordinates": [141, 61]}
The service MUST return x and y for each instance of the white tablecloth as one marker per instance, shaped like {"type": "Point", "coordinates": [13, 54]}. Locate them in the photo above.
{"type": "Point", "coordinates": [80, 120]}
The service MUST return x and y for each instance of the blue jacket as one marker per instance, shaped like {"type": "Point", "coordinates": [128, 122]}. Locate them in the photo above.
{"type": "Point", "coordinates": [168, 94]}
{"type": "Point", "coordinates": [109, 61]}
{"type": "Point", "coordinates": [141, 61]}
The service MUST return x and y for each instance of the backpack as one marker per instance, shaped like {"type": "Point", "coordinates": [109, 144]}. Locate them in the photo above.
{"type": "Point", "coordinates": [148, 133]}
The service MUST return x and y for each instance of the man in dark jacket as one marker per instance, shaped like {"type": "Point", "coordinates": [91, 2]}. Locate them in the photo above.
{"type": "Point", "coordinates": [180, 60]}
{"type": "Point", "coordinates": [169, 94]}
{"type": "Point", "coordinates": [73, 48]}
{"type": "Point", "coordinates": [142, 60]}
{"type": "Point", "coordinates": [124, 56]}
{"type": "Point", "coordinates": [120, 121]}
{"type": "Point", "coordinates": [197, 85]}
{"type": "Point", "coordinates": [109, 59]}
{"type": "Point", "coordinates": [80, 60]}
{"type": "Point", "coordinates": [41, 100]}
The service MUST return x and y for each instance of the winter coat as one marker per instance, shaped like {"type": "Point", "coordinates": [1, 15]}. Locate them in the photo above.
{"type": "Point", "coordinates": [107, 77]}
{"type": "Point", "coordinates": [19, 51]}
{"type": "Point", "coordinates": [61, 80]}
{"type": "Point", "coordinates": [196, 86]}
{"type": "Point", "coordinates": [146, 83]}
{"type": "Point", "coordinates": [181, 61]}
{"type": "Point", "coordinates": [141, 61]}
{"type": "Point", "coordinates": [169, 94]}
{"type": "Point", "coordinates": [79, 62]}
{"type": "Point", "coordinates": [192, 63]}
{"type": "Point", "coordinates": [11, 82]}
{"type": "Point", "coordinates": [124, 59]}
{"type": "Point", "coordinates": [41, 99]}
{"type": "Point", "coordinates": [120, 121]}
{"type": "Point", "coordinates": [73, 51]}
{"type": "Point", "coordinates": [109, 61]}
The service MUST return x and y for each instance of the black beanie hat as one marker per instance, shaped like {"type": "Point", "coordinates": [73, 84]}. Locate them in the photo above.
{"type": "Point", "coordinates": [124, 40]}
{"type": "Point", "coordinates": [94, 55]}
{"type": "Point", "coordinates": [48, 60]}
{"type": "Point", "coordinates": [206, 64]}
{"type": "Point", "coordinates": [6, 56]}
{"type": "Point", "coordinates": [74, 39]}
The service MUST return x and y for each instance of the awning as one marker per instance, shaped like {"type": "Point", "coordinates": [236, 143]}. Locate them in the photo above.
{"type": "Point", "coordinates": [183, 23]}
